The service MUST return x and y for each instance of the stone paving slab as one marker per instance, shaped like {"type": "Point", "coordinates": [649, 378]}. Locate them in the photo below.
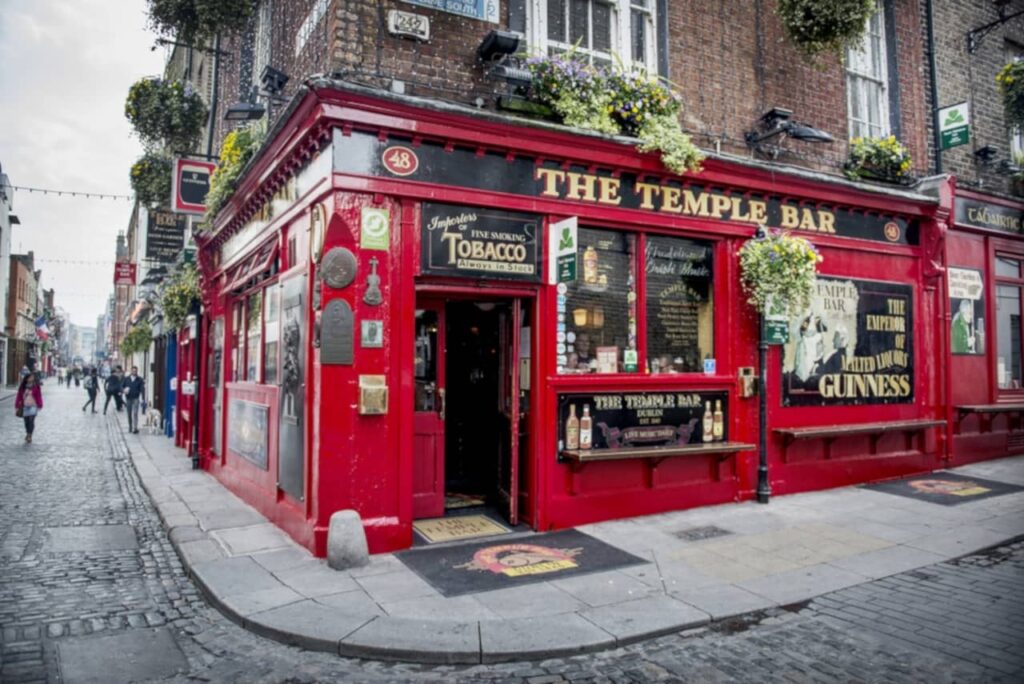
{"type": "Point", "coordinates": [89, 538]}
{"type": "Point", "coordinates": [142, 655]}
{"type": "Point", "coordinates": [796, 548]}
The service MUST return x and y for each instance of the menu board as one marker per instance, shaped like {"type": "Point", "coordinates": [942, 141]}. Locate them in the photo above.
{"type": "Point", "coordinates": [854, 345]}
{"type": "Point", "coordinates": [643, 419]}
{"type": "Point", "coordinates": [679, 292]}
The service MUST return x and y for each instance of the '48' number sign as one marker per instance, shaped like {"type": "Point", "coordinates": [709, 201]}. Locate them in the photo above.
{"type": "Point", "coordinates": [401, 161]}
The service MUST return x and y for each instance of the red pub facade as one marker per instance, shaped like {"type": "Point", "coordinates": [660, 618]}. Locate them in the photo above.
{"type": "Point", "coordinates": [409, 304]}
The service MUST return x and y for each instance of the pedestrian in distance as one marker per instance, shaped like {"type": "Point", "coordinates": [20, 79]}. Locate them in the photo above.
{"type": "Point", "coordinates": [92, 387]}
{"type": "Point", "coordinates": [134, 387]}
{"type": "Point", "coordinates": [112, 387]}
{"type": "Point", "coordinates": [119, 397]}
{"type": "Point", "coordinates": [28, 402]}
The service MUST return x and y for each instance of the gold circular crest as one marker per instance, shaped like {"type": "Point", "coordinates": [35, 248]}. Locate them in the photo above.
{"type": "Point", "coordinates": [317, 231]}
{"type": "Point", "coordinates": [892, 231]}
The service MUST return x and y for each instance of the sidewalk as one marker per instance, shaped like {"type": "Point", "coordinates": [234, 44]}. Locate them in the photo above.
{"type": "Point", "coordinates": [791, 550]}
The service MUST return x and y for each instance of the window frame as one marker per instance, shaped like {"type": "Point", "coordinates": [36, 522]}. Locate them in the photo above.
{"type": "Point", "coordinates": [860, 79]}
{"type": "Point", "coordinates": [622, 33]}
{"type": "Point", "coordinates": [997, 282]}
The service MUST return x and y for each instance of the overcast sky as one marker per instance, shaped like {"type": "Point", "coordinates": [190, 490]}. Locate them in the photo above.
{"type": "Point", "coordinates": [65, 70]}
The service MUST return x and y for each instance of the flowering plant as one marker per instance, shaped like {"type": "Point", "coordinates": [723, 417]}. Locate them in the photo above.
{"type": "Point", "coordinates": [1011, 84]}
{"type": "Point", "coordinates": [825, 26]}
{"type": "Point", "coordinates": [137, 339]}
{"type": "Point", "coordinates": [238, 148]}
{"type": "Point", "coordinates": [195, 21]}
{"type": "Point", "coordinates": [878, 158]}
{"type": "Point", "coordinates": [180, 294]}
{"type": "Point", "coordinates": [615, 101]}
{"type": "Point", "coordinates": [151, 179]}
{"type": "Point", "coordinates": [165, 113]}
{"type": "Point", "coordinates": [780, 267]}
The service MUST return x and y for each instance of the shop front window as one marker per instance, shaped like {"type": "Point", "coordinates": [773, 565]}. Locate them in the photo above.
{"type": "Point", "coordinates": [238, 345]}
{"type": "Point", "coordinates": [597, 318]}
{"type": "Point", "coordinates": [271, 314]}
{"type": "Point", "coordinates": [679, 304]}
{"type": "Point", "coordinates": [1009, 371]}
{"type": "Point", "coordinates": [254, 330]}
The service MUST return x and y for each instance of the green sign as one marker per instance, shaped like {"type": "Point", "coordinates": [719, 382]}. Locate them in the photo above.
{"type": "Point", "coordinates": [376, 229]}
{"type": "Point", "coordinates": [776, 332]}
{"type": "Point", "coordinates": [954, 125]}
{"type": "Point", "coordinates": [563, 243]}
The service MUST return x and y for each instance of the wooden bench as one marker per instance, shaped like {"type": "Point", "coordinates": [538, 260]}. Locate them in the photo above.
{"type": "Point", "coordinates": [987, 411]}
{"type": "Point", "coordinates": [654, 455]}
{"type": "Point", "coordinates": [830, 433]}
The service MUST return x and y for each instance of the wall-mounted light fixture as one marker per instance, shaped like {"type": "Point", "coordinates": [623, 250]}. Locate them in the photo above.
{"type": "Point", "coordinates": [273, 80]}
{"type": "Point", "coordinates": [244, 111]}
{"type": "Point", "coordinates": [495, 52]}
{"type": "Point", "coordinates": [986, 155]}
{"type": "Point", "coordinates": [776, 121]}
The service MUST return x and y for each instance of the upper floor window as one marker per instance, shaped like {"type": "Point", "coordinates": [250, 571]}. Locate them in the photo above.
{"type": "Point", "coordinates": [867, 82]}
{"type": "Point", "coordinates": [262, 47]}
{"type": "Point", "coordinates": [604, 31]}
{"type": "Point", "coordinates": [1014, 53]}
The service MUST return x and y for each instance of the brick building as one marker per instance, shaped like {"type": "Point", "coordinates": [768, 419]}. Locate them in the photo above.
{"type": "Point", "coordinates": [22, 310]}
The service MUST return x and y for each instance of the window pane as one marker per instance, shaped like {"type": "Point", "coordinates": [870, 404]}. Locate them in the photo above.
{"type": "Point", "coordinates": [579, 19]}
{"type": "Point", "coordinates": [556, 20]}
{"type": "Point", "coordinates": [272, 333]}
{"type": "Point", "coordinates": [680, 305]}
{"type": "Point", "coordinates": [1007, 268]}
{"type": "Point", "coordinates": [252, 373]}
{"type": "Point", "coordinates": [600, 313]}
{"type": "Point", "coordinates": [638, 29]}
{"type": "Point", "coordinates": [602, 27]}
{"type": "Point", "coordinates": [238, 353]}
{"type": "Point", "coordinates": [425, 360]}
{"type": "Point", "coordinates": [1008, 369]}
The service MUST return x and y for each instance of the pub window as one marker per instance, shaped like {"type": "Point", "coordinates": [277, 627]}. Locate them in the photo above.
{"type": "Point", "coordinates": [271, 334]}
{"type": "Point", "coordinates": [254, 333]}
{"type": "Point", "coordinates": [238, 346]}
{"type": "Point", "coordinates": [597, 329]}
{"type": "Point", "coordinates": [601, 31]}
{"type": "Point", "coordinates": [867, 82]}
{"type": "Point", "coordinates": [1009, 371]}
{"type": "Point", "coordinates": [679, 304]}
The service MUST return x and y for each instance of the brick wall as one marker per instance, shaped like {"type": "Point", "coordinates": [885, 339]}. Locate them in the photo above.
{"type": "Point", "coordinates": [963, 76]}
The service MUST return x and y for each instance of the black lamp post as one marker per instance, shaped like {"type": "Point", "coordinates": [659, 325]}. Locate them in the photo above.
{"type": "Point", "coordinates": [764, 489]}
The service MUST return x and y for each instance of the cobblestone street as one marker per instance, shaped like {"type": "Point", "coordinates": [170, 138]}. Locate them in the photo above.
{"type": "Point", "coordinates": [92, 591]}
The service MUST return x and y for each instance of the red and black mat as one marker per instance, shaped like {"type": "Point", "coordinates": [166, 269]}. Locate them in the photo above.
{"type": "Point", "coordinates": [947, 489]}
{"type": "Point", "coordinates": [486, 566]}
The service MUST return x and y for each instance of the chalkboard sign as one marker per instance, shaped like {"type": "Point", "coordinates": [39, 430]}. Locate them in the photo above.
{"type": "Point", "coordinates": [679, 314]}
{"type": "Point", "coordinates": [336, 334]}
{"type": "Point", "coordinates": [854, 345]}
{"type": "Point", "coordinates": [480, 243]}
{"type": "Point", "coordinates": [643, 419]}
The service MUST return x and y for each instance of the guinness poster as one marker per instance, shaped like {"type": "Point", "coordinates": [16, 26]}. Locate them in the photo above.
{"type": "Point", "coordinates": [967, 301]}
{"type": "Point", "coordinates": [247, 431]}
{"type": "Point", "coordinates": [854, 345]}
{"type": "Point", "coordinates": [478, 243]}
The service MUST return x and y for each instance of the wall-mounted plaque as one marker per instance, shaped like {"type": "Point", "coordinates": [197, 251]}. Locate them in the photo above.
{"type": "Point", "coordinates": [338, 268]}
{"type": "Point", "coordinates": [372, 334]}
{"type": "Point", "coordinates": [247, 431]}
{"type": "Point", "coordinates": [336, 334]}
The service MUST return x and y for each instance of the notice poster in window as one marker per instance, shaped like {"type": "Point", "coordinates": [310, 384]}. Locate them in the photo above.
{"type": "Point", "coordinates": [679, 304]}
{"type": "Point", "coordinates": [854, 345]}
{"type": "Point", "coordinates": [967, 302]}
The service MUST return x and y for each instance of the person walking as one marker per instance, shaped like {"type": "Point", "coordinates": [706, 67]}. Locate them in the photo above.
{"type": "Point", "coordinates": [134, 387]}
{"type": "Point", "coordinates": [28, 402]}
{"type": "Point", "coordinates": [92, 386]}
{"type": "Point", "coordinates": [112, 386]}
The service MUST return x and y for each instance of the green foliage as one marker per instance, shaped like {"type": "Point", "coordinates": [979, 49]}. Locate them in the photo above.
{"type": "Point", "coordinates": [137, 339]}
{"type": "Point", "coordinates": [1011, 85]}
{"type": "Point", "coordinates": [197, 21]}
{"type": "Point", "coordinates": [615, 101]}
{"type": "Point", "coordinates": [180, 294]}
{"type": "Point", "coordinates": [780, 267]}
{"type": "Point", "coordinates": [818, 27]}
{"type": "Point", "coordinates": [882, 159]}
{"type": "Point", "coordinates": [151, 179]}
{"type": "Point", "coordinates": [239, 147]}
{"type": "Point", "coordinates": [165, 114]}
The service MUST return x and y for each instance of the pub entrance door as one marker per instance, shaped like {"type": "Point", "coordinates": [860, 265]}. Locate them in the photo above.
{"type": "Point", "coordinates": [469, 422]}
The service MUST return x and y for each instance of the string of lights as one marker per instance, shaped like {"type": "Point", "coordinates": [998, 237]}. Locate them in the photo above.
{"type": "Point", "coordinates": [76, 262]}
{"type": "Point", "coordinates": [71, 193]}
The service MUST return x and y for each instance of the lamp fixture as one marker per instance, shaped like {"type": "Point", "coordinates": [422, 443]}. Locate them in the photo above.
{"type": "Point", "coordinates": [245, 111]}
{"type": "Point", "coordinates": [986, 155]}
{"type": "Point", "coordinates": [497, 45]}
{"type": "Point", "coordinates": [776, 121]}
{"type": "Point", "coordinates": [273, 80]}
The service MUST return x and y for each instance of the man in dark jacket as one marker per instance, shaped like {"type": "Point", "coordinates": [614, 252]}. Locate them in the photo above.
{"type": "Point", "coordinates": [112, 387]}
{"type": "Point", "coordinates": [134, 387]}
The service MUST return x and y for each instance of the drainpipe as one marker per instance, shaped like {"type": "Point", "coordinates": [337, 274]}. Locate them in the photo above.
{"type": "Point", "coordinates": [934, 84]}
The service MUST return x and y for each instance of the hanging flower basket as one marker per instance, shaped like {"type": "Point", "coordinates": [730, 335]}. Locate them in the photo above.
{"type": "Point", "coordinates": [1011, 85]}
{"type": "Point", "coordinates": [818, 27]}
{"type": "Point", "coordinates": [137, 339]}
{"type": "Point", "coordinates": [180, 295]}
{"type": "Point", "coordinates": [198, 21]}
{"type": "Point", "coordinates": [151, 179]}
{"type": "Point", "coordinates": [780, 268]}
{"type": "Point", "coordinates": [165, 114]}
{"type": "Point", "coordinates": [880, 159]}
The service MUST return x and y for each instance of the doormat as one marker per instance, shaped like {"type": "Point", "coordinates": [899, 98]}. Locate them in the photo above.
{"type": "Point", "coordinates": [486, 566]}
{"type": "Point", "coordinates": [436, 530]}
{"type": "Point", "coordinates": [945, 488]}
{"type": "Point", "coordinates": [456, 500]}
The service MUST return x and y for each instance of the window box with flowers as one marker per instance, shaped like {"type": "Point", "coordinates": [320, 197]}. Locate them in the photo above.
{"type": "Point", "coordinates": [240, 145]}
{"type": "Point", "coordinates": [880, 159]}
{"type": "Point", "coordinates": [614, 101]}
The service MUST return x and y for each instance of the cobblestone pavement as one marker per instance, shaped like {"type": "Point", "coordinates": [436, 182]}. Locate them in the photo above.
{"type": "Point", "coordinates": [115, 574]}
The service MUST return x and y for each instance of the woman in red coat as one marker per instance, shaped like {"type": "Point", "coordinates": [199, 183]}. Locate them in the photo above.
{"type": "Point", "coordinates": [28, 402]}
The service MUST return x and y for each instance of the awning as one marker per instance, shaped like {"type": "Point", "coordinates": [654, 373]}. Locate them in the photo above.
{"type": "Point", "coordinates": [258, 266]}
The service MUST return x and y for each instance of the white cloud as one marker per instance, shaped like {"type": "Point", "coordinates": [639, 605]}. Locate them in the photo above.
{"type": "Point", "coordinates": [65, 70]}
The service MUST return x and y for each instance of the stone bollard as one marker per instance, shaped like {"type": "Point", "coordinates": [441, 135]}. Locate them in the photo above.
{"type": "Point", "coordinates": [346, 541]}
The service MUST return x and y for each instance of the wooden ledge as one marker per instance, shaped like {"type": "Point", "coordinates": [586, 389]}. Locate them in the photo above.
{"type": "Point", "coordinates": [591, 455]}
{"type": "Point", "coordinates": [879, 428]}
{"type": "Point", "coordinates": [989, 408]}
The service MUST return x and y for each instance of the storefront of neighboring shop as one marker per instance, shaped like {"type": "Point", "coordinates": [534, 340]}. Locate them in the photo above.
{"type": "Point", "coordinates": [985, 257]}
{"type": "Point", "coordinates": [411, 308]}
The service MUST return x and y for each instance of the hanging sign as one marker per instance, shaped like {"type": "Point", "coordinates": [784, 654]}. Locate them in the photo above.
{"type": "Point", "coordinates": [375, 229]}
{"type": "Point", "coordinates": [165, 235]}
{"type": "Point", "coordinates": [484, 10]}
{"type": "Point", "coordinates": [563, 237]}
{"type": "Point", "coordinates": [954, 125]}
{"type": "Point", "coordinates": [124, 273]}
{"type": "Point", "coordinates": [475, 242]}
{"type": "Point", "coordinates": [189, 185]}
{"type": "Point", "coordinates": [970, 212]}
{"type": "Point", "coordinates": [854, 345]}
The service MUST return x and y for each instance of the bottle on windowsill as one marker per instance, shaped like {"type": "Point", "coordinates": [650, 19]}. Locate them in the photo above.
{"type": "Point", "coordinates": [707, 425]}
{"type": "Point", "coordinates": [572, 429]}
{"type": "Point", "coordinates": [586, 428]}
{"type": "Point", "coordinates": [718, 422]}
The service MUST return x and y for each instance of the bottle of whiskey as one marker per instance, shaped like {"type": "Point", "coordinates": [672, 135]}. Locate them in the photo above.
{"type": "Point", "coordinates": [718, 422]}
{"type": "Point", "coordinates": [586, 428]}
{"type": "Point", "coordinates": [572, 429]}
{"type": "Point", "coordinates": [707, 424]}
{"type": "Point", "coordinates": [590, 276]}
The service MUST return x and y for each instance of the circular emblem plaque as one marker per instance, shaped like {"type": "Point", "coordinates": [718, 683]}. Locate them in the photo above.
{"type": "Point", "coordinates": [400, 160]}
{"type": "Point", "coordinates": [338, 268]}
{"type": "Point", "coordinates": [892, 231]}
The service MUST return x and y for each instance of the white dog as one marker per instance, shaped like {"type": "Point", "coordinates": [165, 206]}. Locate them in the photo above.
{"type": "Point", "coordinates": [153, 420]}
